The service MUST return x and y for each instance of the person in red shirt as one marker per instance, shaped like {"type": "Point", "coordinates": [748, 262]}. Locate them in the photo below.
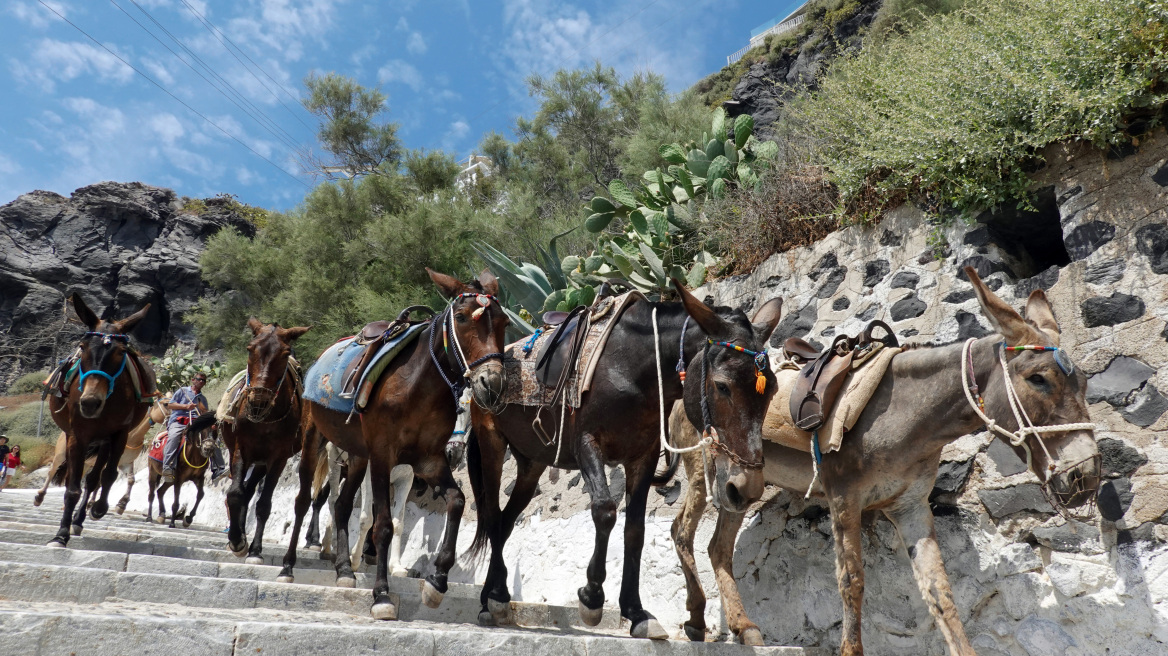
{"type": "Point", "coordinates": [11, 462]}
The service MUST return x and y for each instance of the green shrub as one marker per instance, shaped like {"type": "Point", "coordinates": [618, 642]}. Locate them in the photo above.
{"type": "Point", "coordinates": [176, 369]}
{"type": "Point", "coordinates": [21, 422]}
{"type": "Point", "coordinates": [957, 111]}
{"type": "Point", "coordinates": [29, 383]}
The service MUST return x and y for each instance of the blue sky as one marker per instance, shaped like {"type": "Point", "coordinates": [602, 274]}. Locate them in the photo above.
{"type": "Point", "coordinates": [73, 114]}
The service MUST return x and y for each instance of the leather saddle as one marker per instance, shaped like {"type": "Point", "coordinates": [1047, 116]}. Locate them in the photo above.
{"type": "Point", "coordinates": [372, 337]}
{"type": "Point", "coordinates": [823, 374]}
{"type": "Point", "coordinates": [557, 358]}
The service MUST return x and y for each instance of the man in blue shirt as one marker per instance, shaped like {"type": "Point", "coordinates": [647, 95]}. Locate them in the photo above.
{"type": "Point", "coordinates": [186, 403]}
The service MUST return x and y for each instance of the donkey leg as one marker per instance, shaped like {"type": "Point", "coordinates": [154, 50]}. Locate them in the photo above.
{"type": "Point", "coordinates": [92, 481]}
{"type": "Point", "coordinates": [722, 557]}
{"type": "Point", "coordinates": [174, 511]}
{"type": "Point", "coordinates": [497, 597]}
{"type": "Point", "coordinates": [312, 534]}
{"type": "Point", "coordinates": [638, 478]}
{"type": "Point", "coordinates": [306, 471]}
{"type": "Point", "coordinates": [58, 461]}
{"type": "Point", "coordinates": [109, 474]}
{"type": "Point", "coordinates": [591, 462]}
{"type": "Point", "coordinates": [334, 484]}
{"type": "Point", "coordinates": [121, 507]}
{"type": "Point", "coordinates": [365, 523]}
{"type": "Point", "coordinates": [378, 470]}
{"type": "Point", "coordinates": [849, 569]}
{"type": "Point", "coordinates": [402, 480]}
{"type": "Point", "coordinates": [198, 497]}
{"type": "Point", "coordinates": [914, 523]}
{"type": "Point", "coordinates": [343, 511]}
{"type": "Point", "coordinates": [685, 528]}
{"type": "Point", "coordinates": [238, 496]}
{"type": "Point", "coordinates": [151, 483]}
{"type": "Point", "coordinates": [435, 586]}
{"type": "Point", "coordinates": [263, 509]}
{"type": "Point", "coordinates": [75, 463]}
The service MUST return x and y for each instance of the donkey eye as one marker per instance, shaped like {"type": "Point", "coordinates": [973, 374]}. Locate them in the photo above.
{"type": "Point", "coordinates": [723, 388]}
{"type": "Point", "coordinates": [460, 318]}
{"type": "Point", "coordinates": [1037, 379]}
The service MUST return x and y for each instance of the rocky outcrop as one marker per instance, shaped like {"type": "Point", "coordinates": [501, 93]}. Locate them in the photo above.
{"type": "Point", "coordinates": [120, 245]}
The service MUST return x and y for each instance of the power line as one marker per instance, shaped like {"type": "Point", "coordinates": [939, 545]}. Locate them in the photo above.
{"type": "Point", "coordinates": [176, 98]}
{"type": "Point", "coordinates": [287, 139]}
{"type": "Point", "coordinates": [215, 32]}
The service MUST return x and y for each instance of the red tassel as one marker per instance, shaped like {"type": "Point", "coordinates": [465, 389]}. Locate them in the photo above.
{"type": "Point", "coordinates": [681, 375]}
{"type": "Point", "coordinates": [760, 383]}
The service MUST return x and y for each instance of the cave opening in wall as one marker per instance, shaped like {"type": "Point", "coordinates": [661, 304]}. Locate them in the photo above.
{"type": "Point", "coordinates": [1031, 240]}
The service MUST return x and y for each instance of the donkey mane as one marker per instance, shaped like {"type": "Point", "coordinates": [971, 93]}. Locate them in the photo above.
{"type": "Point", "coordinates": [201, 422]}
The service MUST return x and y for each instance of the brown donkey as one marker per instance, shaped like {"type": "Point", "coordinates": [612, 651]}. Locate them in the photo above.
{"type": "Point", "coordinates": [889, 459]}
{"type": "Point", "coordinates": [194, 456]}
{"type": "Point", "coordinates": [409, 420]}
{"type": "Point", "coordinates": [98, 412]}
{"type": "Point", "coordinates": [620, 421]}
{"type": "Point", "coordinates": [264, 435]}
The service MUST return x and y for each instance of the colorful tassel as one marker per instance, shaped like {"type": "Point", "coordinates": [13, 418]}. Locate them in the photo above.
{"type": "Point", "coordinates": [760, 383]}
{"type": "Point", "coordinates": [477, 314]}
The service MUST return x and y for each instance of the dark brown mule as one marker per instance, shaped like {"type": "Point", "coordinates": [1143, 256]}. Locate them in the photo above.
{"type": "Point", "coordinates": [889, 460]}
{"type": "Point", "coordinates": [619, 422]}
{"type": "Point", "coordinates": [193, 458]}
{"type": "Point", "coordinates": [264, 435]}
{"type": "Point", "coordinates": [408, 420]}
{"type": "Point", "coordinates": [97, 415]}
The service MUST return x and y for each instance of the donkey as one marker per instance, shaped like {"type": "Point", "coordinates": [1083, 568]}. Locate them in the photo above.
{"type": "Point", "coordinates": [264, 435]}
{"type": "Point", "coordinates": [97, 414]}
{"type": "Point", "coordinates": [57, 468]}
{"type": "Point", "coordinates": [409, 420]}
{"type": "Point", "coordinates": [197, 446]}
{"type": "Point", "coordinates": [620, 422]}
{"type": "Point", "coordinates": [889, 459]}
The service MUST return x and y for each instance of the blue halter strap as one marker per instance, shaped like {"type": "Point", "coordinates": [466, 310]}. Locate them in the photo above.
{"type": "Point", "coordinates": [98, 371]}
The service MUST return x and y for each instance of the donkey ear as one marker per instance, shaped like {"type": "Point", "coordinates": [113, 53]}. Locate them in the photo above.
{"type": "Point", "coordinates": [703, 314]}
{"type": "Point", "coordinates": [489, 282]}
{"type": "Point", "coordinates": [1039, 312]}
{"type": "Point", "coordinates": [255, 324]}
{"type": "Point", "coordinates": [83, 312]}
{"type": "Point", "coordinates": [449, 285]}
{"type": "Point", "coordinates": [1002, 317]}
{"type": "Point", "coordinates": [766, 319]}
{"type": "Point", "coordinates": [291, 334]}
{"type": "Point", "coordinates": [127, 324]}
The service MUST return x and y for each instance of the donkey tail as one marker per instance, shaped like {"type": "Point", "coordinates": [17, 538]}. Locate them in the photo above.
{"type": "Point", "coordinates": [57, 477]}
{"type": "Point", "coordinates": [663, 478]}
{"type": "Point", "coordinates": [320, 476]}
{"type": "Point", "coordinates": [474, 469]}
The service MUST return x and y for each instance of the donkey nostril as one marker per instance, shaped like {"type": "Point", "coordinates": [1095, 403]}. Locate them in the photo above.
{"type": "Point", "coordinates": [733, 495]}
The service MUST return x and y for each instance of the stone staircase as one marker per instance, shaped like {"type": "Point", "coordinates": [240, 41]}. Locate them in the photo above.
{"type": "Point", "coordinates": [125, 586]}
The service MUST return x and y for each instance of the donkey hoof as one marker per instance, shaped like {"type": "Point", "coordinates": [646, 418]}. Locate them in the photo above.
{"type": "Point", "coordinates": [98, 510]}
{"type": "Point", "coordinates": [590, 617]}
{"type": "Point", "coordinates": [399, 572]}
{"type": "Point", "coordinates": [650, 629]}
{"type": "Point", "coordinates": [75, 529]}
{"type": "Point", "coordinates": [313, 547]}
{"type": "Point", "coordinates": [695, 633]}
{"type": "Point", "coordinates": [161, 520]}
{"type": "Point", "coordinates": [751, 637]}
{"type": "Point", "coordinates": [56, 543]}
{"type": "Point", "coordinates": [37, 500]}
{"type": "Point", "coordinates": [187, 522]}
{"type": "Point", "coordinates": [253, 560]}
{"type": "Point", "coordinates": [384, 611]}
{"type": "Point", "coordinates": [430, 595]}
{"type": "Point", "coordinates": [500, 611]}
{"type": "Point", "coordinates": [120, 508]}
{"type": "Point", "coordinates": [486, 618]}
{"type": "Point", "coordinates": [346, 581]}
{"type": "Point", "coordinates": [285, 579]}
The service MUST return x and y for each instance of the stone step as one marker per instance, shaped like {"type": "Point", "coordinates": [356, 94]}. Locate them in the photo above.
{"type": "Point", "coordinates": [130, 519]}
{"type": "Point", "coordinates": [63, 629]}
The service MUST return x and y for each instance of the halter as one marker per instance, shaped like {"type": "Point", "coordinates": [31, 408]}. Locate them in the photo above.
{"type": "Point", "coordinates": [1025, 426]}
{"type": "Point", "coordinates": [106, 338]}
{"type": "Point", "coordinates": [249, 409]}
{"type": "Point", "coordinates": [450, 334]}
{"type": "Point", "coordinates": [761, 363]}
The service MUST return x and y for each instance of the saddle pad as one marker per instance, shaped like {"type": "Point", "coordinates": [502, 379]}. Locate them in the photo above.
{"type": "Point", "coordinates": [156, 446]}
{"type": "Point", "coordinates": [322, 383]}
{"type": "Point", "coordinates": [525, 387]}
{"type": "Point", "coordinates": [228, 403]}
{"type": "Point", "coordinates": [857, 390]}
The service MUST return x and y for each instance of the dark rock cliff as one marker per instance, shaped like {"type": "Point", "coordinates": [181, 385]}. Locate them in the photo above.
{"type": "Point", "coordinates": [120, 245]}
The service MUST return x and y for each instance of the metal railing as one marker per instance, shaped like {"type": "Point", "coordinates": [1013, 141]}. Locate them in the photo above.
{"type": "Point", "coordinates": [756, 40]}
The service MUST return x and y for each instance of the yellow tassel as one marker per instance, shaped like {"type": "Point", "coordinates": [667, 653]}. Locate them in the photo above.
{"type": "Point", "coordinates": [760, 383]}
{"type": "Point", "coordinates": [477, 314]}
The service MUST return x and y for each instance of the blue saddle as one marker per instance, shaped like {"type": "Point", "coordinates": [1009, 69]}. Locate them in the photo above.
{"type": "Point", "coordinates": [322, 383]}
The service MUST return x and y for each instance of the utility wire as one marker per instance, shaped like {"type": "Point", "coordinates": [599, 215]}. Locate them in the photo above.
{"type": "Point", "coordinates": [250, 110]}
{"type": "Point", "coordinates": [207, 22]}
{"type": "Point", "coordinates": [176, 98]}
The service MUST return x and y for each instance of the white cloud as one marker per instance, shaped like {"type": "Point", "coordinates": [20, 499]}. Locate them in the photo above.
{"type": "Point", "coordinates": [415, 44]}
{"type": "Point", "coordinates": [454, 135]}
{"type": "Point", "coordinates": [167, 127]}
{"type": "Point", "coordinates": [101, 121]}
{"type": "Point", "coordinates": [158, 71]}
{"type": "Point", "coordinates": [55, 61]}
{"type": "Point", "coordinates": [396, 70]}
{"type": "Point", "coordinates": [283, 26]}
{"type": "Point", "coordinates": [35, 14]}
{"type": "Point", "coordinates": [7, 165]}
{"type": "Point", "coordinates": [246, 176]}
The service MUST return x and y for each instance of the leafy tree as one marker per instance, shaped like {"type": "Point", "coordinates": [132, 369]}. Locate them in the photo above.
{"type": "Point", "coordinates": [349, 129]}
{"type": "Point", "coordinates": [431, 171]}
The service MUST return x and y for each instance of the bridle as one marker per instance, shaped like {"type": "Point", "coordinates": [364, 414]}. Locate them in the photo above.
{"type": "Point", "coordinates": [709, 439]}
{"type": "Point", "coordinates": [107, 339]}
{"type": "Point", "coordinates": [1025, 426]}
{"type": "Point", "coordinates": [261, 416]}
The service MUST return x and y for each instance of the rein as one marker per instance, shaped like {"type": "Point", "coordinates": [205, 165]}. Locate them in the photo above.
{"type": "Point", "coordinates": [1025, 426]}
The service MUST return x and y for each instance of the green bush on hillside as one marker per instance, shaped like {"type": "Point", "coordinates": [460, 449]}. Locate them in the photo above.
{"type": "Point", "coordinates": [956, 112]}
{"type": "Point", "coordinates": [30, 383]}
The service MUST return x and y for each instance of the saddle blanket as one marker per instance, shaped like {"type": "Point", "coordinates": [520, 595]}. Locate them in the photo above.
{"type": "Point", "coordinates": [138, 369]}
{"type": "Point", "coordinates": [525, 387]}
{"type": "Point", "coordinates": [857, 390]}
{"type": "Point", "coordinates": [322, 383]}
{"type": "Point", "coordinates": [229, 402]}
{"type": "Point", "coordinates": [156, 447]}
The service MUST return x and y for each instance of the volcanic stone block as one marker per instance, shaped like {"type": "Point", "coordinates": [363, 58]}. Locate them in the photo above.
{"type": "Point", "coordinates": [1005, 460]}
{"type": "Point", "coordinates": [832, 282]}
{"type": "Point", "coordinates": [984, 267]}
{"type": "Point", "coordinates": [910, 332]}
{"type": "Point", "coordinates": [958, 296]}
{"type": "Point", "coordinates": [1007, 501]}
{"type": "Point", "coordinates": [1018, 558]}
{"type": "Point", "coordinates": [1086, 238]}
{"type": "Point", "coordinates": [1043, 281]}
{"type": "Point", "coordinates": [969, 326]}
{"type": "Point", "coordinates": [951, 478]}
{"type": "Point", "coordinates": [875, 271]}
{"type": "Point", "coordinates": [826, 264]}
{"type": "Point", "coordinates": [1147, 406]}
{"type": "Point", "coordinates": [1115, 497]}
{"type": "Point", "coordinates": [979, 236]}
{"type": "Point", "coordinates": [841, 303]}
{"type": "Point", "coordinates": [910, 307]}
{"type": "Point", "coordinates": [1119, 458]}
{"type": "Point", "coordinates": [889, 238]}
{"type": "Point", "coordinates": [1152, 242]}
{"type": "Point", "coordinates": [1114, 384]}
{"type": "Point", "coordinates": [1076, 537]}
{"type": "Point", "coordinates": [867, 313]}
{"type": "Point", "coordinates": [1069, 194]}
{"type": "Point", "coordinates": [1160, 177]}
{"type": "Point", "coordinates": [1105, 272]}
{"type": "Point", "coordinates": [905, 280]}
{"type": "Point", "coordinates": [796, 324]}
{"type": "Point", "coordinates": [1111, 310]}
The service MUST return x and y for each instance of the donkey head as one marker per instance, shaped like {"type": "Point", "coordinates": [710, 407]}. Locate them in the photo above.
{"type": "Point", "coordinates": [159, 410]}
{"type": "Point", "coordinates": [1050, 390]}
{"type": "Point", "coordinates": [104, 355]}
{"type": "Point", "coordinates": [267, 365]}
{"type": "Point", "coordinates": [201, 432]}
{"type": "Point", "coordinates": [729, 390]}
{"type": "Point", "coordinates": [476, 326]}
